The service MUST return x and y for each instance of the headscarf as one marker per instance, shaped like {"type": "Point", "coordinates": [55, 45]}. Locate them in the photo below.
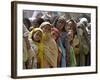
{"type": "Point", "coordinates": [45, 23]}
{"type": "Point", "coordinates": [60, 19]}
{"type": "Point", "coordinates": [35, 30]}
{"type": "Point", "coordinates": [46, 35]}
{"type": "Point", "coordinates": [50, 50]}
{"type": "Point", "coordinates": [55, 31]}
{"type": "Point", "coordinates": [40, 46]}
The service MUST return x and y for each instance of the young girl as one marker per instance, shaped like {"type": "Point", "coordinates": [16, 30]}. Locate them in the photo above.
{"type": "Point", "coordinates": [50, 50]}
{"type": "Point", "coordinates": [37, 47]}
{"type": "Point", "coordinates": [72, 54]}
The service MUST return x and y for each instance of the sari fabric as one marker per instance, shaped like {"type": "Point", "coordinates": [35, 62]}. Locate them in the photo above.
{"type": "Point", "coordinates": [27, 52]}
{"type": "Point", "coordinates": [50, 48]}
{"type": "Point", "coordinates": [37, 49]}
{"type": "Point", "coordinates": [72, 57]}
{"type": "Point", "coordinates": [50, 53]}
{"type": "Point", "coordinates": [64, 45]}
{"type": "Point", "coordinates": [56, 33]}
{"type": "Point", "coordinates": [76, 47]}
{"type": "Point", "coordinates": [63, 54]}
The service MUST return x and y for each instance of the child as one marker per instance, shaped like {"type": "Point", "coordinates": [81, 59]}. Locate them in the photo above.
{"type": "Point", "coordinates": [50, 50]}
{"type": "Point", "coordinates": [37, 47]}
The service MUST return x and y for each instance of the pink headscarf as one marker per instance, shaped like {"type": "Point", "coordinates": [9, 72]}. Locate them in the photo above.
{"type": "Point", "coordinates": [56, 32]}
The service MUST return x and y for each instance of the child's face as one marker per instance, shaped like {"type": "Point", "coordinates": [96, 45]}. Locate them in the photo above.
{"type": "Point", "coordinates": [37, 36]}
{"type": "Point", "coordinates": [46, 28]}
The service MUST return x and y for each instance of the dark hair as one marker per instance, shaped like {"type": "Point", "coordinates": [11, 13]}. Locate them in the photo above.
{"type": "Point", "coordinates": [57, 19]}
{"type": "Point", "coordinates": [27, 23]}
{"type": "Point", "coordinates": [38, 21]}
{"type": "Point", "coordinates": [74, 25]}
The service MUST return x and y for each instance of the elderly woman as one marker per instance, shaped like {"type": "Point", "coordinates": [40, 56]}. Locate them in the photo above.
{"type": "Point", "coordinates": [50, 46]}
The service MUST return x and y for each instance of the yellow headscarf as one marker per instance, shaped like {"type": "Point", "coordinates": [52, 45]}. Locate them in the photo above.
{"type": "Point", "coordinates": [40, 46]}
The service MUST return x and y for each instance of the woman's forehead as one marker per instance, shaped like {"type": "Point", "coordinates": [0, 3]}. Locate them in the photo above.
{"type": "Point", "coordinates": [70, 22]}
{"type": "Point", "coordinates": [47, 26]}
{"type": "Point", "coordinates": [61, 20]}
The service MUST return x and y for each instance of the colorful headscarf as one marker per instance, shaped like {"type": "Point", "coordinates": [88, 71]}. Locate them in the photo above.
{"type": "Point", "coordinates": [55, 31]}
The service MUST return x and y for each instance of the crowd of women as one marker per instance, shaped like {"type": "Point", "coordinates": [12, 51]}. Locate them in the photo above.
{"type": "Point", "coordinates": [56, 42]}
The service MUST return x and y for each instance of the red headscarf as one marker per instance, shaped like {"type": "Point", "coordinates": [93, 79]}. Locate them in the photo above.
{"type": "Point", "coordinates": [56, 32]}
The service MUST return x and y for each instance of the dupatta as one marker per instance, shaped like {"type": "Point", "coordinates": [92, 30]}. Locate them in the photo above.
{"type": "Point", "coordinates": [40, 47]}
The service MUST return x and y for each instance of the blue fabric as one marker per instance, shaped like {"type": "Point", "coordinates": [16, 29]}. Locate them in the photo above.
{"type": "Point", "coordinates": [63, 54]}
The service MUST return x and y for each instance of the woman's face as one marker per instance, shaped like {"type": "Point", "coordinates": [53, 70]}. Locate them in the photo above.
{"type": "Point", "coordinates": [60, 24]}
{"type": "Point", "coordinates": [70, 35]}
{"type": "Point", "coordinates": [46, 28]}
{"type": "Point", "coordinates": [55, 35]}
{"type": "Point", "coordinates": [37, 36]}
{"type": "Point", "coordinates": [69, 26]}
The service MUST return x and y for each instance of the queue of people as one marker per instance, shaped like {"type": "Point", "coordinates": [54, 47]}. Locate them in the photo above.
{"type": "Point", "coordinates": [56, 42]}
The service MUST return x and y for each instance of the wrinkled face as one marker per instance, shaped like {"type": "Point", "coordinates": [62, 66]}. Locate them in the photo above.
{"type": "Point", "coordinates": [46, 28]}
{"type": "Point", "coordinates": [37, 36]}
{"type": "Point", "coordinates": [60, 24]}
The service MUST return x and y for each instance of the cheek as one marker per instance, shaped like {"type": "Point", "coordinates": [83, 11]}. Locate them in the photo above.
{"type": "Point", "coordinates": [40, 37]}
{"type": "Point", "coordinates": [34, 36]}
{"type": "Point", "coordinates": [45, 30]}
{"type": "Point", "coordinates": [54, 37]}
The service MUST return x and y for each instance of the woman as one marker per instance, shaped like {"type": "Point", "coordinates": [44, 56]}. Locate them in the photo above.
{"type": "Point", "coordinates": [50, 50]}
{"type": "Point", "coordinates": [63, 43]}
{"type": "Point", "coordinates": [55, 34]}
{"type": "Point", "coordinates": [71, 25]}
{"type": "Point", "coordinates": [84, 45]}
{"type": "Point", "coordinates": [37, 46]}
{"type": "Point", "coordinates": [72, 54]}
